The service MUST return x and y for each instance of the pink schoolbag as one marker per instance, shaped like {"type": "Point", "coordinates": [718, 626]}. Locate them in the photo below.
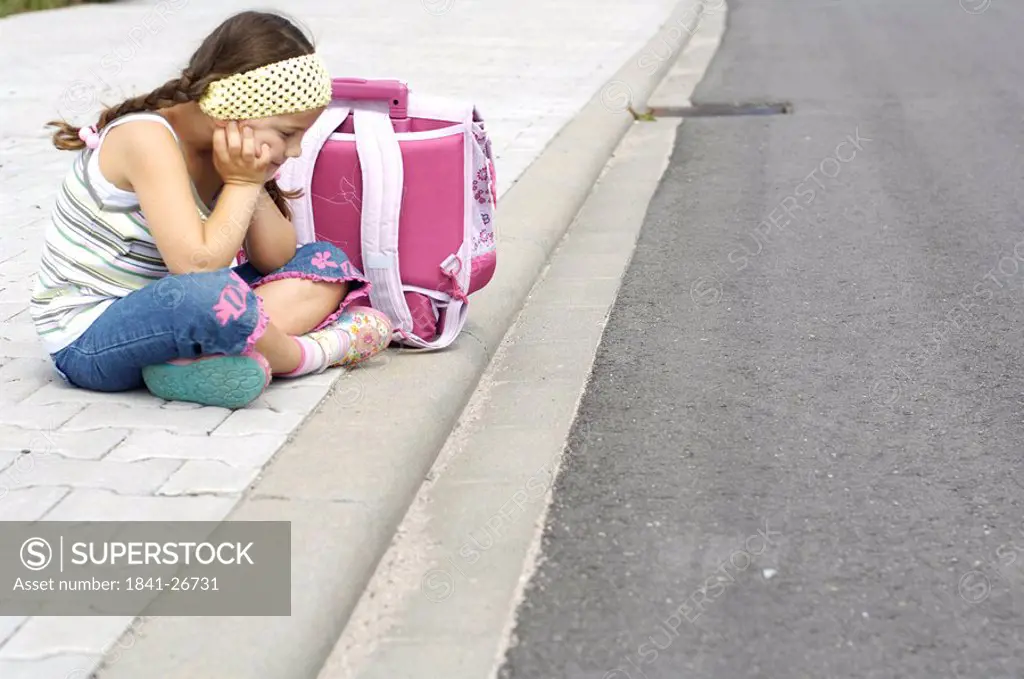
{"type": "Point", "coordinates": [405, 186]}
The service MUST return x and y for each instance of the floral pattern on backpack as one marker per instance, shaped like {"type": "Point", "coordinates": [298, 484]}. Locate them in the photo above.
{"type": "Point", "coordinates": [485, 201]}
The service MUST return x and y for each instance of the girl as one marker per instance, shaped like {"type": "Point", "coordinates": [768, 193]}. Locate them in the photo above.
{"type": "Point", "coordinates": [136, 285]}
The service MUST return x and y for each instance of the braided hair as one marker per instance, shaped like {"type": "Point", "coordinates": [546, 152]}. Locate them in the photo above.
{"type": "Point", "coordinates": [241, 43]}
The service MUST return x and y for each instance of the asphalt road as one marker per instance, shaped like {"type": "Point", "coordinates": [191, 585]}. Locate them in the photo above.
{"type": "Point", "coordinates": [801, 452]}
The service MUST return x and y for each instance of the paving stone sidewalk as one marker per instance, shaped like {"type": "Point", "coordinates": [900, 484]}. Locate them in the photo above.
{"type": "Point", "coordinates": [67, 454]}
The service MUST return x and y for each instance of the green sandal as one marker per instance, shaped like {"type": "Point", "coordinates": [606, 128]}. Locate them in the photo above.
{"type": "Point", "coordinates": [220, 381]}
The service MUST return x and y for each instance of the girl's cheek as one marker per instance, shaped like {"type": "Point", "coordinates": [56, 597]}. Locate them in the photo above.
{"type": "Point", "coordinates": [267, 139]}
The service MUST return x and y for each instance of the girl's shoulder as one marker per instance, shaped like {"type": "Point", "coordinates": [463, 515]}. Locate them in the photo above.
{"type": "Point", "coordinates": [126, 144]}
{"type": "Point", "coordinates": [130, 126]}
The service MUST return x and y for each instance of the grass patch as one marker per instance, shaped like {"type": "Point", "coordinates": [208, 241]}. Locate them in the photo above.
{"type": "Point", "coordinates": [8, 7]}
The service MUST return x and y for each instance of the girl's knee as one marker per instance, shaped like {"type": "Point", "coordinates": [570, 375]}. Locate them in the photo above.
{"type": "Point", "coordinates": [219, 296]}
{"type": "Point", "coordinates": [201, 289]}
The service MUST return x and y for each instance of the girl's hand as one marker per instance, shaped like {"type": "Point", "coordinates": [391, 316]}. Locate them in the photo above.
{"type": "Point", "coordinates": [236, 157]}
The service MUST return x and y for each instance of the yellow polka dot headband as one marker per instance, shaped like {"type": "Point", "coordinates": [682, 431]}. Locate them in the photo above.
{"type": "Point", "coordinates": [288, 86]}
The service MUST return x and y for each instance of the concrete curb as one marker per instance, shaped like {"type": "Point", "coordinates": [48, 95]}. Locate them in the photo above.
{"type": "Point", "coordinates": [349, 475]}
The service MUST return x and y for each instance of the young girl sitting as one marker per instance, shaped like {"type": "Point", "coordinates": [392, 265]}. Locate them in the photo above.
{"type": "Point", "coordinates": [136, 284]}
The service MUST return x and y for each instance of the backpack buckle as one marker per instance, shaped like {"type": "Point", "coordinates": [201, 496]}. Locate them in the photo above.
{"type": "Point", "coordinates": [451, 265]}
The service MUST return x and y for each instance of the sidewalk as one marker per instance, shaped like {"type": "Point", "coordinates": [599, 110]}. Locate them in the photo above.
{"type": "Point", "coordinates": [529, 65]}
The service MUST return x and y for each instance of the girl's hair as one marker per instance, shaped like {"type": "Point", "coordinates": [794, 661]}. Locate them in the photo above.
{"type": "Point", "coordinates": [241, 43]}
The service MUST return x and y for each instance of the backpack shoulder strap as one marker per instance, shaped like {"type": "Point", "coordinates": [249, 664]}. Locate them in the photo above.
{"type": "Point", "coordinates": [380, 159]}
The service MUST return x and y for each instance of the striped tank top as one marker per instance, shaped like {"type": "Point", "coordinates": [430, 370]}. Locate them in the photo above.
{"type": "Point", "coordinates": [97, 249]}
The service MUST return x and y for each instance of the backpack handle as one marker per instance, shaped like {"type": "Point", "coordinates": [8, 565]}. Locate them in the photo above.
{"type": "Point", "coordinates": [395, 92]}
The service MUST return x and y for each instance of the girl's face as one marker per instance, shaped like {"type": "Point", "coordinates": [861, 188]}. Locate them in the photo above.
{"type": "Point", "coordinates": [283, 135]}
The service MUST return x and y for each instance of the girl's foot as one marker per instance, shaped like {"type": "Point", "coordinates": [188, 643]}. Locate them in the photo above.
{"type": "Point", "coordinates": [369, 332]}
{"type": "Point", "coordinates": [359, 334]}
{"type": "Point", "coordinates": [221, 381]}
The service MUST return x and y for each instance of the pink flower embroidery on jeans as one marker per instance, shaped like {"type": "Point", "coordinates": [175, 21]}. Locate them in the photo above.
{"type": "Point", "coordinates": [232, 302]}
{"type": "Point", "coordinates": [321, 260]}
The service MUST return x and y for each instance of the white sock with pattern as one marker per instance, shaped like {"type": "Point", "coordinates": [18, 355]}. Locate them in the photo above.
{"type": "Point", "coordinates": [320, 350]}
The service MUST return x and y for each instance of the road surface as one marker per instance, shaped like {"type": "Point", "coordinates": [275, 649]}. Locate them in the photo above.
{"type": "Point", "coordinates": [800, 454]}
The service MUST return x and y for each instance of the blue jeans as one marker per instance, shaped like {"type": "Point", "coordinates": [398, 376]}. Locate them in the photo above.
{"type": "Point", "coordinates": [192, 315]}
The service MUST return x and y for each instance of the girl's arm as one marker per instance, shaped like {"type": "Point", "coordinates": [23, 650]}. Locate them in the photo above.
{"type": "Point", "coordinates": [271, 240]}
{"type": "Point", "coordinates": [146, 156]}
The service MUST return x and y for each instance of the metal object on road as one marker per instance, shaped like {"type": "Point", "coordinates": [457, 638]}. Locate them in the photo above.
{"type": "Point", "coordinates": [722, 109]}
